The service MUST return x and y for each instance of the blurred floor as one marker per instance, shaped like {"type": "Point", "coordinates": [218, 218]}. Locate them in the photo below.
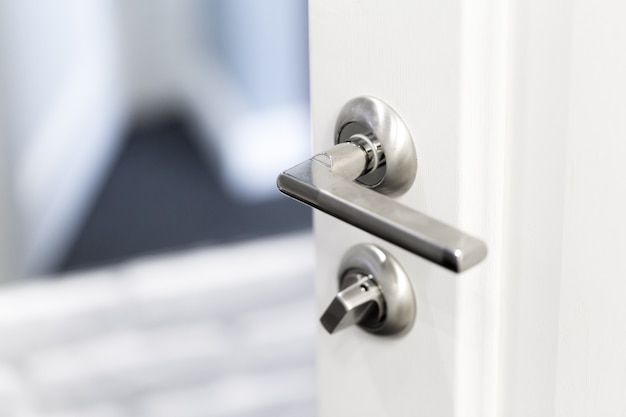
{"type": "Point", "coordinates": [222, 331]}
{"type": "Point", "coordinates": [162, 195]}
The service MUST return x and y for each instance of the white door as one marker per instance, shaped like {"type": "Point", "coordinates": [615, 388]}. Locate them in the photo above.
{"type": "Point", "coordinates": [518, 116]}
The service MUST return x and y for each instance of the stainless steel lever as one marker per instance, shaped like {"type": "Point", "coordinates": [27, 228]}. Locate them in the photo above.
{"type": "Point", "coordinates": [374, 151]}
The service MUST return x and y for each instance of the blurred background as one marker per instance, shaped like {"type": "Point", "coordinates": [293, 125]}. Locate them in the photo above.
{"type": "Point", "coordinates": [148, 265]}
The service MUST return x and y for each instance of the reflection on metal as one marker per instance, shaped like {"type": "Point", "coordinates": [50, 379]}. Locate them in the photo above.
{"type": "Point", "coordinates": [375, 293]}
{"type": "Point", "coordinates": [374, 155]}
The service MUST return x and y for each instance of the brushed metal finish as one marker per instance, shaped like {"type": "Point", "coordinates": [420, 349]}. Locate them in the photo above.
{"type": "Point", "coordinates": [372, 117]}
{"type": "Point", "coordinates": [327, 182]}
{"type": "Point", "coordinates": [375, 293]}
{"type": "Point", "coordinates": [314, 184]}
{"type": "Point", "coordinates": [345, 160]}
{"type": "Point", "coordinates": [360, 301]}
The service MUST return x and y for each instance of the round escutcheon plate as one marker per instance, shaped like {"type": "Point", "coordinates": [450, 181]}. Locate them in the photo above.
{"type": "Point", "coordinates": [372, 117]}
{"type": "Point", "coordinates": [400, 307]}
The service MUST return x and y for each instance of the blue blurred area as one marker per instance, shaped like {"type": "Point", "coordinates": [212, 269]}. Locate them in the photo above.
{"type": "Point", "coordinates": [161, 195]}
{"type": "Point", "coordinates": [77, 78]}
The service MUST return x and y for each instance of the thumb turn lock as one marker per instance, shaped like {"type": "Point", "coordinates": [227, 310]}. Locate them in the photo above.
{"type": "Point", "coordinates": [375, 293]}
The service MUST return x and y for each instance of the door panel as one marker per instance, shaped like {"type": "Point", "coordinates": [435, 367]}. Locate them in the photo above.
{"type": "Point", "coordinates": [415, 65]}
{"type": "Point", "coordinates": [591, 357]}
{"type": "Point", "coordinates": [516, 109]}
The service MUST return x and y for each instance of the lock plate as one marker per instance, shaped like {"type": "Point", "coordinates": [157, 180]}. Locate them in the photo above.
{"type": "Point", "coordinates": [394, 283]}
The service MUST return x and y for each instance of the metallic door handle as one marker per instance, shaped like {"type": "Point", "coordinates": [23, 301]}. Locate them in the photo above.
{"type": "Point", "coordinates": [375, 152]}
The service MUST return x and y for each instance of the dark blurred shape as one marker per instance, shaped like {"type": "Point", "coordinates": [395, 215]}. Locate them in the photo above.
{"type": "Point", "coordinates": [161, 195]}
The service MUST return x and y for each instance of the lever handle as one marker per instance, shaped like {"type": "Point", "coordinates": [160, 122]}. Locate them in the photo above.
{"type": "Point", "coordinates": [327, 182]}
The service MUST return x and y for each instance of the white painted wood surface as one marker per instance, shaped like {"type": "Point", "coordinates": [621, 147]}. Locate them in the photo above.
{"type": "Point", "coordinates": [517, 111]}
{"type": "Point", "coordinates": [409, 54]}
{"type": "Point", "coordinates": [563, 316]}
{"type": "Point", "coordinates": [591, 360]}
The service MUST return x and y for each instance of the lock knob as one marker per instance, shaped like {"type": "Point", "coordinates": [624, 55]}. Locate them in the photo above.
{"type": "Point", "coordinates": [374, 293]}
{"type": "Point", "coordinates": [360, 301]}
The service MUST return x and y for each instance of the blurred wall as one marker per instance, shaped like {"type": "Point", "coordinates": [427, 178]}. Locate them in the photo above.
{"type": "Point", "coordinates": [156, 37]}
{"type": "Point", "coordinates": [238, 68]}
{"type": "Point", "coordinates": [265, 51]}
{"type": "Point", "coordinates": [72, 73]}
{"type": "Point", "coordinates": [262, 48]}
{"type": "Point", "coordinates": [5, 239]}
{"type": "Point", "coordinates": [63, 109]}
